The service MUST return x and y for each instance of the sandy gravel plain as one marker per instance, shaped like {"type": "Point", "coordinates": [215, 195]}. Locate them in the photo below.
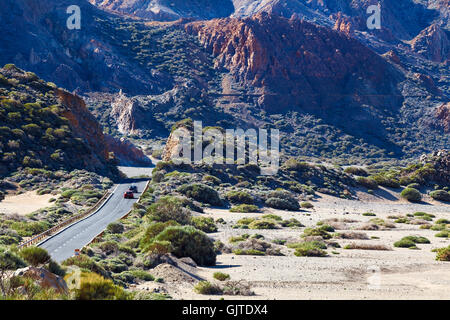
{"type": "Point", "coordinates": [24, 203]}
{"type": "Point", "coordinates": [399, 273]}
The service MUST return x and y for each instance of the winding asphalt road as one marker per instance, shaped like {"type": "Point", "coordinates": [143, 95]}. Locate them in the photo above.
{"type": "Point", "coordinates": [62, 245]}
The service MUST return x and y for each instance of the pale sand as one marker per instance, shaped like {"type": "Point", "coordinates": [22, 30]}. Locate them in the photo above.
{"type": "Point", "coordinates": [24, 203]}
{"type": "Point", "coordinates": [402, 273]}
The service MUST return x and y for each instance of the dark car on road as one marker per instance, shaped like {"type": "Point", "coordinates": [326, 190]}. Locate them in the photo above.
{"type": "Point", "coordinates": [128, 194]}
{"type": "Point", "coordinates": [133, 188]}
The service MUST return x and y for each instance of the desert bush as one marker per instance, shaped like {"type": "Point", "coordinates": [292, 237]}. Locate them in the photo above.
{"type": "Point", "coordinates": [108, 247]}
{"type": "Point", "coordinates": [306, 205]}
{"type": "Point", "coordinates": [295, 165]}
{"type": "Point", "coordinates": [204, 224]}
{"type": "Point", "coordinates": [221, 276]}
{"type": "Point", "coordinates": [201, 193]}
{"type": "Point", "coordinates": [386, 181]}
{"type": "Point", "coordinates": [442, 254]}
{"type": "Point", "coordinates": [249, 252]}
{"type": "Point", "coordinates": [356, 171]}
{"type": "Point", "coordinates": [35, 255]}
{"type": "Point", "coordinates": [208, 288]}
{"type": "Point", "coordinates": [187, 241]}
{"type": "Point", "coordinates": [369, 183]}
{"type": "Point", "coordinates": [316, 232]}
{"type": "Point", "coordinates": [240, 197]}
{"type": "Point", "coordinates": [309, 249]}
{"type": "Point", "coordinates": [352, 235]}
{"type": "Point", "coordinates": [443, 234]}
{"type": "Point", "coordinates": [272, 217]}
{"type": "Point", "coordinates": [237, 288]}
{"type": "Point", "coordinates": [153, 230]}
{"type": "Point", "coordinates": [263, 224]}
{"type": "Point", "coordinates": [10, 260]}
{"type": "Point", "coordinates": [245, 208]}
{"type": "Point", "coordinates": [115, 227]}
{"type": "Point", "coordinates": [367, 246]}
{"type": "Point", "coordinates": [84, 262]}
{"type": "Point", "coordinates": [212, 179]}
{"type": "Point", "coordinates": [382, 223]}
{"type": "Point", "coordinates": [94, 287]}
{"type": "Point", "coordinates": [442, 221]}
{"type": "Point", "coordinates": [291, 223]}
{"type": "Point", "coordinates": [242, 237]}
{"type": "Point", "coordinates": [283, 200]}
{"type": "Point", "coordinates": [369, 214]}
{"type": "Point", "coordinates": [440, 195]}
{"type": "Point", "coordinates": [169, 209]}
{"type": "Point", "coordinates": [282, 204]}
{"type": "Point", "coordinates": [411, 194]}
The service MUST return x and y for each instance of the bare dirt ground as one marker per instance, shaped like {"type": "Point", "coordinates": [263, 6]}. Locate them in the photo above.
{"type": "Point", "coordinates": [24, 203]}
{"type": "Point", "coordinates": [399, 273]}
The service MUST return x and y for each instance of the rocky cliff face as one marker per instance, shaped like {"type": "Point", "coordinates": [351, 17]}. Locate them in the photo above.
{"type": "Point", "coordinates": [433, 43]}
{"type": "Point", "coordinates": [298, 64]}
{"type": "Point", "coordinates": [443, 116]}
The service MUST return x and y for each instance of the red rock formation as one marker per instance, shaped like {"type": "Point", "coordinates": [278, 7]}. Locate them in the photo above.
{"type": "Point", "coordinates": [432, 43]}
{"type": "Point", "coordinates": [343, 24]}
{"type": "Point", "coordinates": [304, 64]}
{"type": "Point", "coordinates": [87, 127]}
{"type": "Point", "coordinates": [83, 122]}
{"type": "Point", "coordinates": [443, 115]}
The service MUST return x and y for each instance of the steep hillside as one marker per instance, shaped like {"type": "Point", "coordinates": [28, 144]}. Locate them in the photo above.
{"type": "Point", "coordinates": [43, 126]}
{"type": "Point", "coordinates": [168, 10]}
{"type": "Point", "coordinates": [35, 38]}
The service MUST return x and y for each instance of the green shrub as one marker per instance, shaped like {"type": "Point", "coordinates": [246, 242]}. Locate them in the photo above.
{"type": "Point", "coordinates": [385, 181]}
{"type": "Point", "coordinates": [410, 242]}
{"type": "Point", "coordinates": [35, 255]}
{"type": "Point", "coordinates": [411, 194]}
{"type": "Point", "coordinates": [187, 241]}
{"type": "Point", "coordinates": [442, 221]}
{"type": "Point", "coordinates": [84, 262]}
{"type": "Point", "coordinates": [240, 197]}
{"type": "Point", "coordinates": [309, 249]}
{"type": "Point", "coordinates": [291, 223]}
{"type": "Point", "coordinates": [94, 287]}
{"type": "Point", "coordinates": [10, 260]}
{"type": "Point", "coordinates": [249, 252]}
{"type": "Point", "coordinates": [356, 171]}
{"type": "Point", "coordinates": [221, 276]}
{"type": "Point", "coordinates": [212, 179]}
{"type": "Point", "coordinates": [442, 254]}
{"type": "Point", "coordinates": [295, 165]}
{"type": "Point", "coordinates": [205, 287]}
{"type": "Point", "coordinates": [245, 208]}
{"type": "Point", "coordinates": [262, 224]}
{"type": "Point", "coordinates": [204, 224]}
{"type": "Point", "coordinates": [443, 234]}
{"type": "Point", "coordinates": [306, 205]}
{"type": "Point", "coordinates": [316, 232]}
{"type": "Point", "coordinates": [169, 209]}
{"type": "Point", "coordinates": [201, 193]}
{"type": "Point", "coordinates": [369, 214]}
{"type": "Point", "coordinates": [272, 217]}
{"type": "Point", "coordinates": [153, 230]}
{"type": "Point", "coordinates": [369, 183]}
{"type": "Point", "coordinates": [440, 195]}
{"type": "Point", "coordinates": [282, 204]}
{"type": "Point", "coordinates": [115, 227]}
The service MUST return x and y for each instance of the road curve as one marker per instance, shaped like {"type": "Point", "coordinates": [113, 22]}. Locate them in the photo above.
{"type": "Point", "coordinates": [63, 245]}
